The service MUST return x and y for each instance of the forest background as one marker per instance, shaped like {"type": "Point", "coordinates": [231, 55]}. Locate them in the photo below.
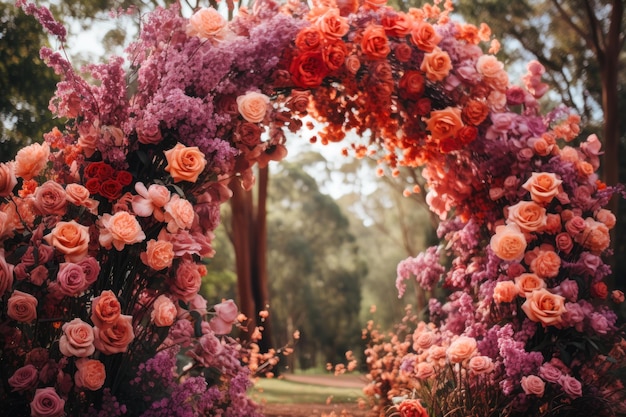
{"type": "Point", "coordinates": [318, 240]}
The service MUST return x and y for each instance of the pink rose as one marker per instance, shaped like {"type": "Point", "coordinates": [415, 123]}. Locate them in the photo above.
{"type": "Point", "coordinates": [79, 196]}
{"type": "Point", "coordinates": [119, 230]}
{"type": "Point", "coordinates": [51, 199]}
{"type": "Point", "coordinates": [8, 180]}
{"type": "Point", "coordinates": [105, 309]}
{"type": "Point", "coordinates": [187, 281]}
{"type": "Point", "coordinates": [481, 364]}
{"type": "Point", "coordinates": [226, 315]}
{"type": "Point", "coordinates": [508, 243]}
{"type": "Point", "coordinates": [424, 370]}
{"type": "Point", "coordinates": [575, 226]}
{"type": "Point", "coordinates": [22, 307]}
{"type": "Point", "coordinates": [91, 269]}
{"type": "Point", "coordinates": [544, 307]}
{"type": "Point", "coordinates": [564, 242]}
{"type": "Point", "coordinates": [71, 239]}
{"type": "Point", "coordinates": [533, 385]}
{"type": "Point", "coordinates": [424, 340]}
{"type": "Point", "coordinates": [571, 386]}
{"type": "Point", "coordinates": [542, 186]}
{"type": "Point", "coordinates": [77, 339]}
{"type": "Point", "coordinates": [115, 338]}
{"type": "Point", "coordinates": [24, 379]}
{"type": "Point", "coordinates": [550, 373]}
{"type": "Point", "coordinates": [253, 106]}
{"type": "Point", "coordinates": [163, 311]}
{"type": "Point", "coordinates": [179, 214]}
{"type": "Point", "coordinates": [90, 374]}
{"type": "Point", "coordinates": [47, 403]}
{"type": "Point", "coordinates": [547, 264]}
{"type": "Point", "coordinates": [150, 200]}
{"type": "Point", "coordinates": [595, 237]}
{"type": "Point", "coordinates": [569, 289]}
{"type": "Point", "coordinates": [207, 23]}
{"type": "Point", "coordinates": [607, 217]}
{"type": "Point", "coordinates": [31, 160]}
{"type": "Point", "coordinates": [528, 215]}
{"type": "Point", "coordinates": [71, 279]}
{"type": "Point", "coordinates": [38, 275]}
{"type": "Point", "coordinates": [461, 349]}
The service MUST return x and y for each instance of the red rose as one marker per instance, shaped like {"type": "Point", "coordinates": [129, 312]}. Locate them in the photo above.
{"type": "Point", "coordinates": [93, 185]}
{"type": "Point", "coordinates": [308, 69]}
{"type": "Point", "coordinates": [124, 177]}
{"type": "Point", "coordinates": [110, 189]}
{"type": "Point", "coordinates": [335, 55]}
{"type": "Point", "coordinates": [411, 85]}
{"type": "Point", "coordinates": [467, 134]}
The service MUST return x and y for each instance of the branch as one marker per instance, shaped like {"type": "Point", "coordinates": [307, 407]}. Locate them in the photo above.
{"type": "Point", "coordinates": [580, 31]}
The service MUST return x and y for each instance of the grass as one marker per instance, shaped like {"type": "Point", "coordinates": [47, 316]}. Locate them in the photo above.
{"type": "Point", "coordinates": [278, 391]}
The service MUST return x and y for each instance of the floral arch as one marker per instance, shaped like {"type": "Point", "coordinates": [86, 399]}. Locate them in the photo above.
{"type": "Point", "coordinates": [104, 226]}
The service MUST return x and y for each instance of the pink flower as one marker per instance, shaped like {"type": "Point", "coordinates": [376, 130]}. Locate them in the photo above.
{"type": "Point", "coordinates": [115, 338]}
{"type": "Point", "coordinates": [51, 199]}
{"type": "Point", "coordinates": [8, 180]}
{"type": "Point", "coordinates": [163, 311]}
{"type": "Point", "coordinates": [77, 339]}
{"type": "Point", "coordinates": [547, 264]}
{"type": "Point", "coordinates": [120, 230]}
{"type": "Point", "coordinates": [150, 200]}
{"type": "Point", "coordinates": [461, 349]}
{"type": "Point", "coordinates": [105, 309]}
{"type": "Point", "coordinates": [31, 160]}
{"type": "Point", "coordinates": [505, 292]}
{"type": "Point", "coordinates": [90, 374]}
{"type": "Point", "coordinates": [22, 307]}
{"type": "Point", "coordinates": [226, 315]}
{"type": "Point", "coordinates": [179, 214]}
{"type": "Point", "coordinates": [24, 378]}
{"type": "Point", "coordinates": [533, 385]}
{"type": "Point", "coordinates": [47, 403]}
{"type": "Point", "coordinates": [187, 281]}
{"type": "Point", "coordinates": [550, 373]}
{"type": "Point", "coordinates": [71, 279]}
{"type": "Point", "coordinates": [571, 386]}
{"type": "Point", "coordinates": [253, 106]}
{"type": "Point", "coordinates": [207, 23]}
{"type": "Point", "coordinates": [481, 364]}
{"type": "Point", "coordinates": [424, 370]}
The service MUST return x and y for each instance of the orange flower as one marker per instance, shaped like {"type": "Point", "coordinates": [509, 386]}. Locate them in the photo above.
{"type": "Point", "coordinates": [159, 254]}
{"type": "Point", "coordinates": [436, 65]}
{"type": "Point", "coordinates": [412, 408]}
{"type": "Point", "coordinates": [461, 349]}
{"type": "Point", "coordinates": [31, 160]}
{"type": "Point", "coordinates": [309, 39]}
{"type": "Point", "coordinates": [544, 307]}
{"type": "Point", "coordinates": [528, 215]}
{"type": "Point", "coordinates": [374, 42]}
{"type": "Point", "coordinates": [547, 264]}
{"type": "Point", "coordinates": [528, 283]}
{"type": "Point", "coordinates": [505, 292]}
{"type": "Point", "coordinates": [119, 230]}
{"type": "Point", "coordinates": [334, 54]}
{"type": "Point", "coordinates": [185, 163]}
{"type": "Point", "coordinates": [8, 181]}
{"type": "Point", "coordinates": [105, 309]}
{"type": "Point", "coordinates": [116, 338]}
{"type": "Point", "coordinates": [71, 239]}
{"type": "Point", "coordinates": [444, 124]}
{"type": "Point", "coordinates": [90, 374]}
{"type": "Point", "coordinates": [163, 311]}
{"type": "Point", "coordinates": [252, 106]}
{"type": "Point", "coordinates": [332, 25]}
{"type": "Point", "coordinates": [425, 37]}
{"type": "Point", "coordinates": [508, 243]}
{"type": "Point", "coordinates": [543, 186]}
{"type": "Point", "coordinates": [475, 112]}
{"type": "Point", "coordinates": [207, 23]}
{"type": "Point", "coordinates": [22, 307]}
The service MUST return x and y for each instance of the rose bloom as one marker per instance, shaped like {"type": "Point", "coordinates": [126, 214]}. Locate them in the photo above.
{"type": "Point", "coordinates": [424, 36]}
{"type": "Point", "coordinates": [79, 196]}
{"type": "Point", "coordinates": [606, 217]}
{"type": "Point", "coordinates": [571, 386]}
{"type": "Point", "coordinates": [71, 279]}
{"type": "Point", "coordinates": [544, 307]}
{"type": "Point", "coordinates": [150, 200]}
{"type": "Point", "coordinates": [595, 237]}
{"type": "Point", "coordinates": [412, 408]}
{"type": "Point", "coordinates": [528, 215]}
{"type": "Point", "coordinates": [352, 64]}
{"type": "Point", "coordinates": [119, 230]}
{"type": "Point", "coordinates": [163, 311]}
{"type": "Point", "coordinates": [550, 373]}
{"type": "Point", "coordinates": [253, 106]}
{"type": "Point", "coordinates": [187, 282]}
{"type": "Point", "coordinates": [308, 69]}
{"type": "Point", "coordinates": [542, 186]}
{"type": "Point", "coordinates": [22, 307]}
{"type": "Point", "coordinates": [185, 163]}
{"type": "Point", "coordinates": [411, 85]}
{"type": "Point", "coordinates": [617, 296]}
{"type": "Point", "coordinates": [335, 55]}
{"type": "Point", "coordinates": [445, 123]}
{"type": "Point", "coordinates": [309, 38]}
{"type": "Point", "coordinates": [547, 264]}
{"type": "Point", "coordinates": [460, 349]}
{"type": "Point", "coordinates": [50, 199]}
{"type": "Point", "coordinates": [599, 290]}
{"type": "Point", "coordinates": [508, 243]}
{"type": "Point", "coordinates": [90, 374]}
{"type": "Point", "coordinates": [436, 65]}
{"type": "Point", "coordinates": [116, 338]}
{"type": "Point", "coordinates": [424, 370]}
{"type": "Point", "coordinates": [527, 283]}
{"type": "Point", "coordinates": [8, 180]}
{"type": "Point", "coordinates": [397, 25]}
{"type": "Point", "coordinates": [31, 160]}
{"type": "Point", "coordinates": [47, 403]}
{"type": "Point", "coordinates": [71, 239]}
{"type": "Point", "coordinates": [207, 23]}
{"type": "Point", "coordinates": [24, 378]}
{"type": "Point", "coordinates": [332, 25]}
{"type": "Point", "coordinates": [159, 254]}
{"type": "Point", "coordinates": [179, 214]}
{"type": "Point", "coordinates": [77, 339]}
{"type": "Point", "coordinates": [553, 224]}
{"type": "Point", "coordinates": [505, 292]}
{"type": "Point", "coordinates": [475, 112]}
{"type": "Point", "coordinates": [489, 66]}
{"type": "Point", "coordinates": [481, 364]}
{"type": "Point", "coordinates": [374, 42]}
{"type": "Point", "coordinates": [227, 314]}
{"type": "Point", "coordinates": [533, 385]}
{"type": "Point", "coordinates": [105, 309]}
{"type": "Point", "coordinates": [403, 52]}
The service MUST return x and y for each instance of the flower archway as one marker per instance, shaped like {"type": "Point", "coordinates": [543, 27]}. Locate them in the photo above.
{"type": "Point", "coordinates": [104, 226]}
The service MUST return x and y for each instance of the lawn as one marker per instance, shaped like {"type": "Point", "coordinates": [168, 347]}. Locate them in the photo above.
{"type": "Point", "coordinates": [280, 391]}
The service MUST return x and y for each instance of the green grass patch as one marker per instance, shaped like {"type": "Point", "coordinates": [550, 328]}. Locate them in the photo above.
{"type": "Point", "coordinates": [278, 391]}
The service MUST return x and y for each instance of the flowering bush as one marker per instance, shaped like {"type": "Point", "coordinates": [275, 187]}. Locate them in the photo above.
{"type": "Point", "coordinates": [105, 225]}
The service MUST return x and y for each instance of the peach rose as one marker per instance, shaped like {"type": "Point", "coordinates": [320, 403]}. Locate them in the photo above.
{"type": "Point", "coordinates": [436, 65]}
{"type": "Point", "coordinates": [47, 403]}
{"type": "Point", "coordinates": [424, 36]}
{"type": "Point", "coordinates": [481, 364]}
{"type": "Point", "coordinates": [31, 160]}
{"type": "Point", "coordinates": [119, 230]}
{"type": "Point", "coordinates": [527, 283]}
{"type": "Point", "coordinates": [253, 106]}
{"type": "Point", "coordinates": [412, 408]}
{"type": "Point", "coordinates": [533, 385]}
{"type": "Point", "coordinates": [424, 370]}
{"type": "Point", "coordinates": [595, 237]}
{"type": "Point", "coordinates": [544, 307]}
{"type": "Point", "coordinates": [8, 180]}
{"type": "Point", "coordinates": [542, 186]}
{"type": "Point", "coordinates": [163, 311]}
{"type": "Point", "coordinates": [505, 292]}
{"type": "Point", "coordinates": [461, 349]}
{"type": "Point", "coordinates": [488, 66]}
{"type": "Point", "coordinates": [150, 200]}
{"type": "Point", "coordinates": [71, 239]}
{"type": "Point", "coordinates": [187, 281]}
{"type": "Point", "coordinates": [24, 379]}
{"type": "Point", "coordinates": [309, 39]}
{"type": "Point", "coordinates": [179, 214]}
{"type": "Point", "coordinates": [159, 254]}
{"type": "Point", "coordinates": [185, 163]}
{"type": "Point", "coordinates": [50, 199]}
{"type": "Point", "coordinates": [332, 25]}
{"type": "Point", "coordinates": [374, 42]}
{"type": "Point", "coordinates": [444, 124]}
{"type": "Point", "coordinates": [105, 309]}
{"type": "Point", "coordinates": [547, 264]}
{"type": "Point", "coordinates": [207, 23]}
{"type": "Point", "coordinates": [79, 196]}
{"type": "Point", "coordinates": [77, 339]}
{"type": "Point", "coordinates": [116, 338]}
{"type": "Point", "coordinates": [528, 215]}
{"type": "Point", "coordinates": [22, 307]}
{"type": "Point", "coordinates": [607, 217]}
{"type": "Point", "coordinates": [90, 374]}
{"type": "Point", "coordinates": [508, 243]}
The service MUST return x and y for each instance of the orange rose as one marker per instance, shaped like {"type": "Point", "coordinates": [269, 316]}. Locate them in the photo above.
{"type": "Point", "coordinates": [334, 54]}
{"type": "Point", "coordinates": [332, 25]}
{"type": "Point", "coordinates": [505, 292]}
{"type": "Point", "coordinates": [528, 215]}
{"type": "Point", "coordinates": [159, 254]}
{"type": "Point", "coordinates": [412, 408]}
{"type": "Point", "coordinates": [116, 338]}
{"type": "Point", "coordinates": [353, 64]}
{"type": "Point", "coordinates": [403, 52]}
{"type": "Point", "coordinates": [207, 23]}
{"type": "Point", "coordinates": [90, 374]}
{"type": "Point", "coordinates": [79, 196]}
{"type": "Point", "coordinates": [461, 349]}
{"type": "Point", "coordinates": [105, 309]}
{"type": "Point", "coordinates": [397, 25]}
{"type": "Point", "coordinates": [544, 307]}
{"type": "Point", "coordinates": [8, 180]}
{"type": "Point", "coordinates": [481, 364]}
{"type": "Point", "coordinates": [185, 163]}
{"type": "Point", "coordinates": [444, 124]}
{"type": "Point", "coordinates": [71, 239]}
{"type": "Point", "coordinates": [309, 39]}
{"type": "Point", "coordinates": [595, 237]}
{"type": "Point", "coordinates": [253, 106]}
{"type": "Point", "coordinates": [425, 37]}
{"type": "Point", "coordinates": [119, 230]}
{"type": "Point", "coordinates": [31, 160]}
{"type": "Point", "coordinates": [411, 85]}
{"type": "Point", "coordinates": [436, 64]}
{"type": "Point", "coordinates": [606, 217]}
{"type": "Point", "coordinates": [163, 311]}
{"type": "Point", "coordinates": [527, 283]}
{"type": "Point", "coordinates": [308, 69]}
{"type": "Point", "coordinates": [374, 42]}
{"type": "Point", "coordinates": [546, 264]}
{"type": "Point", "coordinates": [543, 187]}
{"type": "Point", "coordinates": [475, 112]}
{"type": "Point", "coordinates": [22, 307]}
{"type": "Point", "coordinates": [508, 243]}
{"type": "Point", "coordinates": [179, 214]}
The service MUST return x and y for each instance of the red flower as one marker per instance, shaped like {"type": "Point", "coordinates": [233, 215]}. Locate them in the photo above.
{"type": "Point", "coordinates": [308, 69]}
{"type": "Point", "coordinates": [124, 177]}
{"type": "Point", "coordinates": [467, 134]}
{"type": "Point", "coordinates": [110, 189]}
{"type": "Point", "coordinates": [93, 185]}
